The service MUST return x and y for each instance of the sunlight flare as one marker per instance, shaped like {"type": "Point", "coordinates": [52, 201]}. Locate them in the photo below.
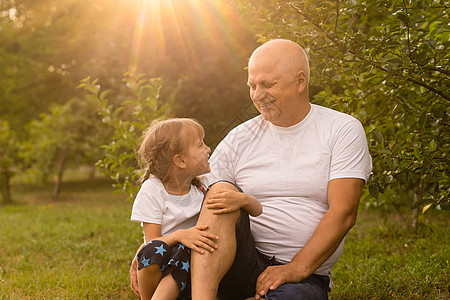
{"type": "Point", "coordinates": [164, 27]}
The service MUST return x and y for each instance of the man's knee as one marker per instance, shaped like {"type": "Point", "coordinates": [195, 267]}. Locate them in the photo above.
{"type": "Point", "coordinates": [221, 186]}
{"type": "Point", "coordinates": [218, 186]}
{"type": "Point", "coordinates": [216, 221]}
{"type": "Point", "coordinates": [314, 287]}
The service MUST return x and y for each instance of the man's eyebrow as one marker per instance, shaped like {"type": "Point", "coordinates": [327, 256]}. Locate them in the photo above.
{"type": "Point", "coordinates": [272, 81]}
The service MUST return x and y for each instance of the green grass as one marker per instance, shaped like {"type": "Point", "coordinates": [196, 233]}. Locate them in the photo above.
{"type": "Point", "coordinates": [80, 246]}
{"type": "Point", "coordinates": [385, 260]}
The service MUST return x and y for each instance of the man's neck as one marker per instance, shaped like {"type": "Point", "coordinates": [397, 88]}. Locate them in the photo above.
{"type": "Point", "coordinates": [297, 117]}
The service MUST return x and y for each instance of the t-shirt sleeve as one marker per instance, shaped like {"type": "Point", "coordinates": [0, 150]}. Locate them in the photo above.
{"type": "Point", "coordinates": [147, 206]}
{"type": "Point", "coordinates": [350, 154]}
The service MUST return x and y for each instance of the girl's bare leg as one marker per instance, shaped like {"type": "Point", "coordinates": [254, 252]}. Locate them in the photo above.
{"type": "Point", "coordinates": [167, 289]}
{"type": "Point", "coordinates": [148, 279]}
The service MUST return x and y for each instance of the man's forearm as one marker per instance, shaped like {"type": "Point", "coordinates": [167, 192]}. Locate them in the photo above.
{"type": "Point", "coordinates": [326, 239]}
{"type": "Point", "coordinates": [343, 199]}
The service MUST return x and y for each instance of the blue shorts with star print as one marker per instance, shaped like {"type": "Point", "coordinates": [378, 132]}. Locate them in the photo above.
{"type": "Point", "coordinates": [174, 260]}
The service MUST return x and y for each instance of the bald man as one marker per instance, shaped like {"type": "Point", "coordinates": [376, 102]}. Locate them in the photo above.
{"type": "Point", "coordinates": [306, 164]}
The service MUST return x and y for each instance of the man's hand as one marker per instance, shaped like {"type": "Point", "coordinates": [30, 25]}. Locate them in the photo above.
{"type": "Point", "coordinates": [272, 277]}
{"type": "Point", "coordinates": [133, 277]}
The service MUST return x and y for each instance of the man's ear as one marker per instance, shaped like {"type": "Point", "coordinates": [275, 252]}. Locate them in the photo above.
{"type": "Point", "coordinates": [301, 79]}
{"type": "Point", "coordinates": [179, 161]}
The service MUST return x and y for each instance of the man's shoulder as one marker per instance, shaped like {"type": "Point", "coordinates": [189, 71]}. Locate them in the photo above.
{"type": "Point", "coordinates": [331, 116]}
{"type": "Point", "coordinates": [240, 136]}
{"type": "Point", "coordinates": [322, 110]}
{"type": "Point", "coordinates": [248, 128]}
{"type": "Point", "coordinates": [253, 122]}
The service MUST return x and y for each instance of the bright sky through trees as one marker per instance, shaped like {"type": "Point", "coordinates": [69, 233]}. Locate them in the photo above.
{"type": "Point", "coordinates": [174, 25]}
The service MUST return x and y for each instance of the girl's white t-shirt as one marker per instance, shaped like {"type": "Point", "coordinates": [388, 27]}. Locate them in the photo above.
{"type": "Point", "coordinates": [153, 204]}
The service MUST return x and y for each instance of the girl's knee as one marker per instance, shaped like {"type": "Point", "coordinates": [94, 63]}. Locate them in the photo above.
{"type": "Point", "coordinates": [154, 252]}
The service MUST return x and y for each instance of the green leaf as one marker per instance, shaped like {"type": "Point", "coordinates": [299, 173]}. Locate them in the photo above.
{"type": "Point", "coordinates": [378, 136]}
{"type": "Point", "coordinates": [421, 203]}
{"type": "Point", "coordinates": [373, 190]}
{"type": "Point", "coordinates": [94, 89]}
{"type": "Point", "coordinates": [403, 17]}
{"type": "Point", "coordinates": [388, 179]}
{"type": "Point", "coordinates": [432, 145]}
{"type": "Point", "coordinates": [103, 94]}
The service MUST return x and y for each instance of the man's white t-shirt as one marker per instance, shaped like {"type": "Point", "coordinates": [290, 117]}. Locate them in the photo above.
{"type": "Point", "coordinates": [288, 169]}
{"type": "Point", "coordinates": [153, 204]}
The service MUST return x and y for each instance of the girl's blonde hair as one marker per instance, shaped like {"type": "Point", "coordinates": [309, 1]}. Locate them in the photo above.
{"type": "Point", "coordinates": [162, 140]}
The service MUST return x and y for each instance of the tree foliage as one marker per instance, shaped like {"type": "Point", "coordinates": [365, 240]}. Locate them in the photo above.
{"type": "Point", "coordinates": [67, 136]}
{"type": "Point", "coordinates": [47, 46]}
{"type": "Point", "coordinates": [128, 114]}
{"type": "Point", "coordinates": [387, 63]}
{"type": "Point", "coordinates": [9, 153]}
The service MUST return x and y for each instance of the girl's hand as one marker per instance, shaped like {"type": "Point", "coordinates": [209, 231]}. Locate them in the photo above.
{"type": "Point", "coordinates": [227, 201]}
{"type": "Point", "coordinates": [133, 274]}
{"type": "Point", "coordinates": [197, 239]}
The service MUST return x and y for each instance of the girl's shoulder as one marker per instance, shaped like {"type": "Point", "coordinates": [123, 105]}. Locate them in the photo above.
{"type": "Point", "coordinates": [152, 184]}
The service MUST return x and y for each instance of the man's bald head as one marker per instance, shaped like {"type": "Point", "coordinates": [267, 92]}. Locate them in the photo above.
{"type": "Point", "coordinates": [285, 54]}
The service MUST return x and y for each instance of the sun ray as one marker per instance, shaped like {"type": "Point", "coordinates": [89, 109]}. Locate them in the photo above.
{"type": "Point", "coordinates": [173, 21]}
{"type": "Point", "coordinates": [157, 28]}
{"type": "Point", "coordinates": [165, 32]}
{"type": "Point", "coordinates": [138, 34]}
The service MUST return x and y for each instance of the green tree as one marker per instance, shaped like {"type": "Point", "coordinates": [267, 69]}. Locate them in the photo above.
{"type": "Point", "coordinates": [9, 152]}
{"type": "Point", "coordinates": [128, 114]}
{"type": "Point", "coordinates": [387, 63]}
{"type": "Point", "coordinates": [65, 137]}
{"type": "Point", "coordinates": [47, 46]}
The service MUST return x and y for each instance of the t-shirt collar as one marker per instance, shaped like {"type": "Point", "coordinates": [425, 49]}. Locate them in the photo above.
{"type": "Point", "coordinates": [294, 128]}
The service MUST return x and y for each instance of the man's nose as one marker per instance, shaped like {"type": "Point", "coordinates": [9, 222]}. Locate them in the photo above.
{"type": "Point", "coordinates": [258, 94]}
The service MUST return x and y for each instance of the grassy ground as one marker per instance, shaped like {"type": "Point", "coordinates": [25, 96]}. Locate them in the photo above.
{"type": "Point", "coordinates": [79, 247]}
{"type": "Point", "coordinates": [387, 261]}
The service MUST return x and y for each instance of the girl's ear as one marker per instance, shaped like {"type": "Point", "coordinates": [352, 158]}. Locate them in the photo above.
{"type": "Point", "coordinates": [179, 161]}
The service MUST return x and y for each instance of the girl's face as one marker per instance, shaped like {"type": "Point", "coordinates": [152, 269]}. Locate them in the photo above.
{"type": "Point", "coordinates": [197, 156]}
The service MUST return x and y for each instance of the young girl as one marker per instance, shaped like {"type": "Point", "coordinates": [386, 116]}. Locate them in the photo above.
{"type": "Point", "coordinates": [168, 204]}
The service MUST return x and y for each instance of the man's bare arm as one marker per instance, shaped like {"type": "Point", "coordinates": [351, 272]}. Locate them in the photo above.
{"type": "Point", "coordinates": [343, 200]}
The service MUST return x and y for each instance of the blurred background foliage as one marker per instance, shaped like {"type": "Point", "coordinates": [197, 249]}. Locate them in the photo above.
{"type": "Point", "coordinates": [385, 62]}
{"type": "Point", "coordinates": [47, 47]}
